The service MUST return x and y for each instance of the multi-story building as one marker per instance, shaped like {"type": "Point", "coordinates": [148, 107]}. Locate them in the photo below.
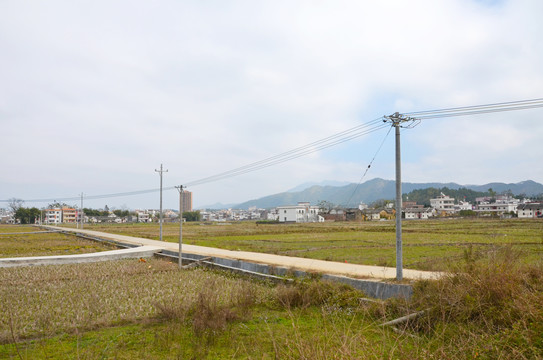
{"type": "Point", "coordinates": [187, 201]}
{"type": "Point", "coordinates": [69, 215]}
{"type": "Point", "coordinates": [500, 205]}
{"type": "Point", "coordinates": [60, 215]}
{"type": "Point", "coordinates": [499, 208]}
{"type": "Point", "coordinates": [143, 216]}
{"type": "Point", "coordinates": [443, 203]}
{"type": "Point", "coordinates": [52, 216]}
{"type": "Point", "coordinates": [303, 212]}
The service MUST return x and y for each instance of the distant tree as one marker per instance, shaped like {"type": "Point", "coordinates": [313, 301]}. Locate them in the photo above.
{"type": "Point", "coordinates": [27, 215]}
{"type": "Point", "coordinates": [380, 203]}
{"type": "Point", "coordinates": [492, 195]}
{"type": "Point", "coordinates": [507, 192]}
{"type": "Point", "coordinates": [94, 212]}
{"type": "Point", "coordinates": [121, 213]}
{"type": "Point", "coordinates": [423, 196]}
{"type": "Point", "coordinates": [467, 213]}
{"type": "Point", "coordinates": [15, 204]}
{"type": "Point", "coordinates": [325, 206]}
{"type": "Point", "coordinates": [192, 215]}
{"type": "Point", "coordinates": [58, 205]}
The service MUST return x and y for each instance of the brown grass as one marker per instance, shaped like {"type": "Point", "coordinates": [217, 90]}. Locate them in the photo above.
{"type": "Point", "coordinates": [45, 300]}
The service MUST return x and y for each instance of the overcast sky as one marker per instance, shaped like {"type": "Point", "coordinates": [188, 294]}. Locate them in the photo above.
{"type": "Point", "coordinates": [95, 95]}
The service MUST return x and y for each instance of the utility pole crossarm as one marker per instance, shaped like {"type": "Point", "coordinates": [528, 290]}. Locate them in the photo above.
{"type": "Point", "coordinates": [397, 119]}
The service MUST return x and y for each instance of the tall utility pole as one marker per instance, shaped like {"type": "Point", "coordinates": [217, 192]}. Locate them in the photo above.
{"type": "Point", "coordinates": [82, 212]}
{"type": "Point", "coordinates": [160, 215]}
{"type": "Point", "coordinates": [397, 119]}
{"type": "Point", "coordinates": [180, 189]}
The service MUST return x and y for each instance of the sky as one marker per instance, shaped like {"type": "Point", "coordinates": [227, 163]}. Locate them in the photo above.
{"type": "Point", "coordinates": [96, 95]}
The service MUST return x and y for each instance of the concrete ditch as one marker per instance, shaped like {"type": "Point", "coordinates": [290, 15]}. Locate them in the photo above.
{"type": "Point", "coordinates": [371, 287]}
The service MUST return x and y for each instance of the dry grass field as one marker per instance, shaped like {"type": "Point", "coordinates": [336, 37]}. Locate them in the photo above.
{"type": "Point", "coordinates": [17, 241]}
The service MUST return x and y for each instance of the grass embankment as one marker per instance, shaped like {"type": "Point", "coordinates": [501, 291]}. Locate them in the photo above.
{"type": "Point", "coordinates": [490, 308]}
{"type": "Point", "coordinates": [427, 245]}
{"type": "Point", "coordinates": [16, 241]}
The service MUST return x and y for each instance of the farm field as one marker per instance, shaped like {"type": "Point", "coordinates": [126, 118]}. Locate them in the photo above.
{"type": "Point", "coordinates": [15, 241]}
{"type": "Point", "coordinates": [132, 309]}
{"type": "Point", "coordinates": [489, 306]}
{"type": "Point", "coordinates": [152, 310]}
{"type": "Point", "coordinates": [427, 245]}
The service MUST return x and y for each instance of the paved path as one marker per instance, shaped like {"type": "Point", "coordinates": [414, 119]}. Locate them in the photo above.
{"type": "Point", "coordinates": [321, 266]}
{"type": "Point", "coordinates": [137, 252]}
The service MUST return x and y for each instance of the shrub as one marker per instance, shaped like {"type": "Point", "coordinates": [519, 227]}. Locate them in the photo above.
{"type": "Point", "coordinates": [491, 295]}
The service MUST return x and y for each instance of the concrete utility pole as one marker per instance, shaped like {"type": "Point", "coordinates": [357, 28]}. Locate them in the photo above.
{"type": "Point", "coordinates": [82, 212]}
{"type": "Point", "coordinates": [160, 215]}
{"type": "Point", "coordinates": [180, 189]}
{"type": "Point", "coordinates": [397, 119]}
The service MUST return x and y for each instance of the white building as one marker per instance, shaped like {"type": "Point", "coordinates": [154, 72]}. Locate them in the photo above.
{"type": "Point", "coordinates": [418, 213]}
{"type": "Point", "coordinates": [443, 203]}
{"type": "Point", "coordinates": [143, 216]}
{"type": "Point", "coordinates": [530, 210]}
{"type": "Point", "coordinates": [498, 208]}
{"type": "Point", "coordinates": [52, 216]}
{"type": "Point", "coordinates": [503, 204]}
{"type": "Point", "coordinates": [463, 205]}
{"type": "Point", "coordinates": [303, 212]}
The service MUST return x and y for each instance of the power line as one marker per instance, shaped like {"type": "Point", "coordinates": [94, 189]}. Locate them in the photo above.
{"type": "Point", "coordinates": [333, 140]}
{"type": "Point", "coordinates": [290, 155]}
{"type": "Point", "coordinates": [477, 109]}
{"type": "Point", "coordinates": [336, 139]}
{"type": "Point", "coordinates": [369, 166]}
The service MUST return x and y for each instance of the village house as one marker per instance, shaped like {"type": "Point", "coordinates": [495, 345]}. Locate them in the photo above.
{"type": "Point", "coordinates": [419, 213]}
{"type": "Point", "coordinates": [530, 210]}
{"type": "Point", "coordinates": [301, 213]}
{"type": "Point", "coordinates": [502, 204]}
{"type": "Point", "coordinates": [443, 204]}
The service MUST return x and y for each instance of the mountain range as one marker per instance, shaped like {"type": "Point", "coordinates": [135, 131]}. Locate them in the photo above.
{"type": "Point", "coordinates": [376, 189]}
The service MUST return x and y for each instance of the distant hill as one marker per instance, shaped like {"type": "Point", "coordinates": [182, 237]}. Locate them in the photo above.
{"type": "Point", "coordinates": [306, 185]}
{"type": "Point", "coordinates": [527, 187]}
{"type": "Point", "coordinates": [352, 194]}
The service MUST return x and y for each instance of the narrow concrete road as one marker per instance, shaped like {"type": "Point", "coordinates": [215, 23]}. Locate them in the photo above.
{"type": "Point", "coordinates": [137, 252]}
{"type": "Point", "coordinates": [312, 265]}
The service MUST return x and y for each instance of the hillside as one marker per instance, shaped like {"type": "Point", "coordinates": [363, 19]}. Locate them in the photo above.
{"type": "Point", "coordinates": [376, 189]}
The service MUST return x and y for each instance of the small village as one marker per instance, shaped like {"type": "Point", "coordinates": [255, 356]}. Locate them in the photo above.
{"type": "Point", "coordinates": [501, 206]}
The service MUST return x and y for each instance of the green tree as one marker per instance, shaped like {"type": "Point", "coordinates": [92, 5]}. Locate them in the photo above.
{"type": "Point", "coordinates": [27, 215]}
{"type": "Point", "coordinates": [192, 215]}
{"type": "Point", "coordinates": [467, 213]}
{"type": "Point", "coordinates": [121, 213]}
{"type": "Point", "coordinates": [377, 204]}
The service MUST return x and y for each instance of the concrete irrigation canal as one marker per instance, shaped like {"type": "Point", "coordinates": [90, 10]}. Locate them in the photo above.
{"type": "Point", "coordinates": [375, 281]}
